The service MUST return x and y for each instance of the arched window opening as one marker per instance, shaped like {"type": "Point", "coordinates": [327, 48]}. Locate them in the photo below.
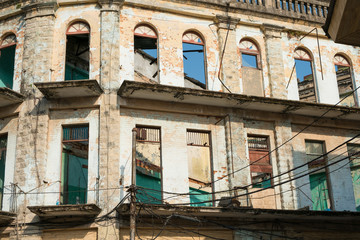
{"type": "Point", "coordinates": [344, 81]}
{"type": "Point", "coordinates": [7, 60]}
{"type": "Point", "coordinates": [146, 66]}
{"type": "Point", "coordinates": [77, 51]}
{"type": "Point", "coordinates": [250, 68]}
{"type": "Point", "coordinates": [194, 61]}
{"type": "Point", "coordinates": [305, 77]}
{"type": "Point", "coordinates": [249, 54]}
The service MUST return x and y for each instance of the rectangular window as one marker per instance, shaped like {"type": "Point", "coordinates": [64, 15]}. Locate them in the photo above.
{"type": "Point", "coordinates": [199, 162]}
{"type": "Point", "coordinates": [353, 151]}
{"type": "Point", "coordinates": [318, 181]}
{"type": "Point", "coordinates": [74, 167]}
{"type": "Point", "coordinates": [3, 145]}
{"type": "Point", "coordinates": [148, 165]}
{"type": "Point", "coordinates": [260, 168]}
{"type": "Point", "coordinates": [249, 60]}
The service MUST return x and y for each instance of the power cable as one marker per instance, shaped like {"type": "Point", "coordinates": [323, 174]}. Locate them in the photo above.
{"type": "Point", "coordinates": [287, 141]}
{"type": "Point", "coordinates": [300, 166]}
{"type": "Point", "coordinates": [275, 185]}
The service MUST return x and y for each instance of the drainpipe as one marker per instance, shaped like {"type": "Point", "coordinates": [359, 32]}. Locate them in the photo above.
{"type": "Point", "coordinates": [133, 188]}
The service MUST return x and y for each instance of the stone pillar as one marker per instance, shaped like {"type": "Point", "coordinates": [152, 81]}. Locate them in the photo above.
{"type": "Point", "coordinates": [31, 143]}
{"type": "Point", "coordinates": [284, 162]}
{"type": "Point", "coordinates": [236, 154]}
{"type": "Point", "coordinates": [109, 129]}
{"type": "Point", "coordinates": [229, 71]}
{"type": "Point", "coordinates": [274, 59]}
{"type": "Point", "coordinates": [38, 43]}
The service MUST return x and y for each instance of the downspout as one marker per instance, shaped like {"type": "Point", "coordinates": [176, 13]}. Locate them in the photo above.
{"type": "Point", "coordinates": [229, 148]}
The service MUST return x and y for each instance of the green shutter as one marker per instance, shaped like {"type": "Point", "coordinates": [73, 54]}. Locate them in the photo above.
{"type": "Point", "coordinates": [319, 191]}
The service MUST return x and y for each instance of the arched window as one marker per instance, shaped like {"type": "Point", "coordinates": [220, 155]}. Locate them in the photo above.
{"type": "Point", "coordinates": [77, 51]}
{"type": "Point", "coordinates": [7, 60]}
{"type": "Point", "coordinates": [344, 80]}
{"type": "Point", "coordinates": [145, 54]}
{"type": "Point", "coordinates": [251, 73]}
{"type": "Point", "coordinates": [194, 61]}
{"type": "Point", "coordinates": [305, 76]}
{"type": "Point", "coordinates": [250, 55]}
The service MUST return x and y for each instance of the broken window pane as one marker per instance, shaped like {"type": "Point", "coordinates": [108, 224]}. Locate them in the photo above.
{"type": "Point", "coordinates": [3, 145]}
{"type": "Point", "coordinates": [199, 162]}
{"type": "Point", "coordinates": [146, 55]}
{"type": "Point", "coordinates": [261, 168]}
{"type": "Point", "coordinates": [77, 51]}
{"type": "Point", "coordinates": [305, 77]}
{"type": "Point", "coordinates": [344, 81]}
{"type": "Point", "coordinates": [7, 61]}
{"type": "Point", "coordinates": [74, 167]}
{"type": "Point", "coordinates": [194, 61]}
{"type": "Point", "coordinates": [148, 165]}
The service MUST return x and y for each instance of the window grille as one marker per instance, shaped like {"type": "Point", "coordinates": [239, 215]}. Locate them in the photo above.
{"type": "Point", "coordinates": [147, 134]}
{"type": "Point", "coordinates": [198, 139]}
{"type": "Point", "coordinates": [76, 133]}
{"type": "Point", "coordinates": [258, 143]}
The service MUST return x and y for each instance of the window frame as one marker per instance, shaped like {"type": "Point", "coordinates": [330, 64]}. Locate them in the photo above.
{"type": "Point", "coordinates": [75, 125]}
{"type": "Point", "coordinates": [255, 53]}
{"type": "Point", "coordinates": [269, 156]}
{"type": "Point", "coordinates": [356, 104]}
{"type": "Point", "coordinates": [5, 136]}
{"type": "Point", "coordinates": [211, 163]}
{"type": "Point", "coordinates": [311, 60]}
{"type": "Point", "coordinates": [137, 126]}
{"type": "Point", "coordinates": [203, 43]}
{"type": "Point", "coordinates": [67, 33]}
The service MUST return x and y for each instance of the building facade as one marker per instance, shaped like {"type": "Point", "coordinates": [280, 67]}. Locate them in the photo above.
{"type": "Point", "coordinates": [244, 115]}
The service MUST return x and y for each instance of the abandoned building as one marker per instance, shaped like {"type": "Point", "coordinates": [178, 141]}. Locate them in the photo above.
{"type": "Point", "coordinates": [241, 117]}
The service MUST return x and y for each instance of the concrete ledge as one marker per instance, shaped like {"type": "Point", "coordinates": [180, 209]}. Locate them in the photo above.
{"type": "Point", "coordinates": [9, 97]}
{"type": "Point", "coordinates": [242, 212]}
{"type": "Point", "coordinates": [70, 89]}
{"type": "Point", "coordinates": [66, 213]}
{"type": "Point", "coordinates": [6, 217]}
{"type": "Point", "coordinates": [139, 90]}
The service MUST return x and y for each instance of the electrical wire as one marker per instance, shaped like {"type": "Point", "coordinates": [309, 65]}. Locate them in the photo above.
{"type": "Point", "coordinates": [287, 141]}
{"type": "Point", "coordinates": [281, 174]}
{"type": "Point", "coordinates": [275, 185]}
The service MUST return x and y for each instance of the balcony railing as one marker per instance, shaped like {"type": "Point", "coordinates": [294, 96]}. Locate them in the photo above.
{"type": "Point", "coordinates": [308, 10]}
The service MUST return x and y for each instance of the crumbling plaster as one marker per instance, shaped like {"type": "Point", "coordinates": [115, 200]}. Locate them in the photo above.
{"type": "Point", "coordinates": [343, 195]}
{"type": "Point", "coordinates": [174, 149]}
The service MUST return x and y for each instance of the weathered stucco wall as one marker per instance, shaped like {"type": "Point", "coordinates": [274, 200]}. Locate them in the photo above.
{"type": "Point", "coordinates": [34, 127]}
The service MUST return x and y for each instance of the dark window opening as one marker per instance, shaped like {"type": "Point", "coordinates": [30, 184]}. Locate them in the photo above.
{"type": "Point", "coordinates": [148, 165]}
{"type": "Point", "coordinates": [74, 167]}
{"type": "Point", "coordinates": [199, 160]}
{"type": "Point", "coordinates": [260, 168]}
{"type": "Point", "coordinates": [353, 151]}
{"type": "Point", "coordinates": [3, 146]}
{"type": "Point", "coordinates": [194, 61]}
{"type": "Point", "coordinates": [344, 81]}
{"type": "Point", "coordinates": [305, 77]}
{"type": "Point", "coordinates": [77, 52]}
{"type": "Point", "coordinates": [318, 181]}
{"type": "Point", "coordinates": [146, 55]}
{"type": "Point", "coordinates": [7, 61]}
